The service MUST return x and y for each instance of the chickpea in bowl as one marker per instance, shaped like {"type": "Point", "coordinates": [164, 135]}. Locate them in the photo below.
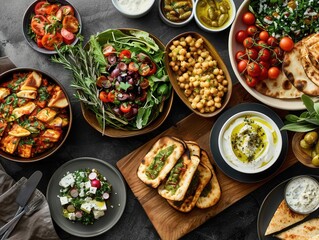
{"type": "Point", "coordinates": [198, 74]}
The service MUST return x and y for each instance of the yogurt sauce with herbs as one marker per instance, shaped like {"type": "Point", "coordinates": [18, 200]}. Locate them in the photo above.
{"type": "Point", "coordinates": [250, 142]}
{"type": "Point", "coordinates": [134, 6]}
{"type": "Point", "coordinates": [302, 194]}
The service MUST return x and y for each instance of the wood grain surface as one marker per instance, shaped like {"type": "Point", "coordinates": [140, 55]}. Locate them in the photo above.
{"type": "Point", "coordinates": [169, 223]}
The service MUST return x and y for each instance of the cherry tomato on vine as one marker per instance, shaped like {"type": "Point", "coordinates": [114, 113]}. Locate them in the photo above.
{"type": "Point", "coordinates": [251, 81]}
{"type": "Point", "coordinates": [264, 35]}
{"type": "Point", "coordinates": [263, 73]}
{"type": "Point", "coordinates": [252, 30]}
{"type": "Point", "coordinates": [248, 18]}
{"type": "Point", "coordinates": [273, 72]}
{"type": "Point", "coordinates": [264, 54]}
{"type": "Point", "coordinates": [240, 55]}
{"type": "Point", "coordinates": [242, 66]}
{"type": "Point", "coordinates": [260, 44]}
{"type": "Point", "coordinates": [253, 69]}
{"type": "Point", "coordinates": [272, 41]}
{"type": "Point", "coordinates": [248, 42]}
{"type": "Point", "coordinates": [252, 53]}
{"type": "Point", "coordinates": [240, 36]}
{"type": "Point", "coordinates": [286, 44]}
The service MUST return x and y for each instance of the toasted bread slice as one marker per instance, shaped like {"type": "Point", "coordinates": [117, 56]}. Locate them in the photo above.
{"type": "Point", "coordinates": [30, 94]}
{"type": "Point", "coordinates": [180, 177]}
{"type": "Point", "coordinates": [283, 217]}
{"type": "Point", "coordinates": [303, 231]}
{"type": "Point", "coordinates": [159, 160]}
{"type": "Point", "coordinates": [33, 81]}
{"type": "Point", "coordinates": [4, 92]}
{"type": "Point", "coordinates": [198, 183]}
{"type": "Point", "coordinates": [194, 149]}
{"type": "Point", "coordinates": [212, 192]}
{"type": "Point", "coordinates": [58, 100]}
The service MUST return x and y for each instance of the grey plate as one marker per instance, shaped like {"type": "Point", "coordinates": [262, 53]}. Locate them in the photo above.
{"type": "Point", "coordinates": [116, 204]}
{"type": "Point", "coordinates": [269, 207]}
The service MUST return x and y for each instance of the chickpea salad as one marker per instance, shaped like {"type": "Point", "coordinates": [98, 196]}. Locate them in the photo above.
{"type": "Point", "coordinates": [84, 195]}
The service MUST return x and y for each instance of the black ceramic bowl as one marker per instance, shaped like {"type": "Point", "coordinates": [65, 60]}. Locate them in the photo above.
{"type": "Point", "coordinates": [7, 76]}
{"type": "Point", "coordinates": [27, 20]}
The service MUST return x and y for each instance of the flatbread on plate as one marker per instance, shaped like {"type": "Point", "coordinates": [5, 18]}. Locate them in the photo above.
{"type": "Point", "coordinates": [303, 231]}
{"type": "Point", "coordinates": [212, 192]}
{"type": "Point", "coordinates": [283, 217]}
{"type": "Point", "coordinates": [165, 148]}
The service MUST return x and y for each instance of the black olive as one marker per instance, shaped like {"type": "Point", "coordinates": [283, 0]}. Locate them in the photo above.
{"type": "Point", "coordinates": [117, 111]}
{"type": "Point", "coordinates": [112, 59]}
{"type": "Point", "coordinates": [122, 96]}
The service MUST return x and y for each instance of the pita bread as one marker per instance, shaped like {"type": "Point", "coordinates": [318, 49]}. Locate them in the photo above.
{"type": "Point", "coordinates": [311, 71]}
{"type": "Point", "coordinates": [283, 218]}
{"type": "Point", "coordinates": [278, 88]}
{"type": "Point", "coordinates": [212, 192]}
{"type": "Point", "coordinates": [314, 54]}
{"type": "Point", "coordinates": [199, 181]}
{"type": "Point", "coordinates": [303, 231]}
{"type": "Point", "coordinates": [194, 149]}
{"type": "Point", "coordinates": [185, 168]}
{"type": "Point", "coordinates": [296, 74]}
{"type": "Point", "coordinates": [161, 148]}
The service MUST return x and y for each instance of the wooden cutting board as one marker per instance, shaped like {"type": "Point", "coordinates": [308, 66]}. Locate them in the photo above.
{"type": "Point", "coordinates": [169, 223]}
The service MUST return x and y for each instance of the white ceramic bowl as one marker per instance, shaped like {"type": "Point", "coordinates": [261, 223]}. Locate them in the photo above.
{"type": "Point", "coordinates": [233, 47]}
{"type": "Point", "coordinates": [171, 23]}
{"type": "Point", "coordinates": [266, 157]}
{"type": "Point", "coordinates": [232, 14]}
{"type": "Point", "coordinates": [133, 9]}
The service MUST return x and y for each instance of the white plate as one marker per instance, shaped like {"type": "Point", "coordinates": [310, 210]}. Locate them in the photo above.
{"type": "Point", "coordinates": [233, 47]}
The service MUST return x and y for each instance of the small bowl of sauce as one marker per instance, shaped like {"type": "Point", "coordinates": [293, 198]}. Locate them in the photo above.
{"type": "Point", "coordinates": [302, 194]}
{"type": "Point", "coordinates": [133, 8]}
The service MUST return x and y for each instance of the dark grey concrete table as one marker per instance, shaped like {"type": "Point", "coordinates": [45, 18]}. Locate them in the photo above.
{"type": "Point", "coordinates": [237, 222]}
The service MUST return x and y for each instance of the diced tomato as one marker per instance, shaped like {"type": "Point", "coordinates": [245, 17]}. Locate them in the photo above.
{"type": "Point", "coordinates": [59, 15]}
{"type": "Point", "coordinates": [52, 9]}
{"type": "Point", "coordinates": [39, 42]}
{"type": "Point", "coordinates": [68, 37]}
{"type": "Point", "coordinates": [144, 83]}
{"type": "Point", "coordinates": [108, 50]}
{"type": "Point", "coordinates": [67, 10]}
{"type": "Point", "coordinates": [144, 69]}
{"type": "Point", "coordinates": [103, 96]}
{"type": "Point", "coordinates": [111, 96]}
{"type": "Point", "coordinates": [38, 23]}
{"type": "Point", "coordinates": [49, 40]}
{"type": "Point", "coordinates": [70, 23]}
{"type": "Point", "coordinates": [40, 7]}
{"type": "Point", "coordinates": [125, 107]}
{"type": "Point", "coordinates": [125, 54]}
{"type": "Point", "coordinates": [133, 66]}
{"type": "Point", "coordinates": [153, 69]}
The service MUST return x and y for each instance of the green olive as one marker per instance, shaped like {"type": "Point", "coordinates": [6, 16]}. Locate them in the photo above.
{"type": "Point", "coordinates": [311, 137]}
{"type": "Point", "coordinates": [304, 144]}
{"type": "Point", "coordinates": [222, 19]}
{"type": "Point", "coordinates": [202, 3]}
{"type": "Point", "coordinates": [315, 160]}
{"type": "Point", "coordinates": [313, 153]}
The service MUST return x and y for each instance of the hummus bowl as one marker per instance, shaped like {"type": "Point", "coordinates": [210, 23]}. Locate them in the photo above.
{"type": "Point", "coordinates": [250, 142]}
{"type": "Point", "coordinates": [247, 143]}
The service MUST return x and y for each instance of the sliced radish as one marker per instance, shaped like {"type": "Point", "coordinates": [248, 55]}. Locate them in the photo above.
{"type": "Point", "coordinates": [78, 214]}
{"type": "Point", "coordinates": [106, 195]}
{"type": "Point", "coordinates": [92, 176]}
{"type": "Point", "coordinates": [74, 193]}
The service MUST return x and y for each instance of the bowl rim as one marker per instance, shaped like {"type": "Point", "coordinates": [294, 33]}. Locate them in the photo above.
{"type": "Point", "coordinates": [294, 179]}
{"type": "Point", "coordinates": [52, 150]}
{"type": "Point", "coordinates": [26, 22]}
{"type": "Point", "coordinates": [278, 149]}
{"type": "Point", "coordinates": [118, 133]}
{"type": "Point", "coordinates": [171, 23]}
{"type": "Point", "coordinates": [130, 14]}
{"type": "Point", "coordinates": [232, 18]}
{"type": "Point", "coordinates": [221, 64]}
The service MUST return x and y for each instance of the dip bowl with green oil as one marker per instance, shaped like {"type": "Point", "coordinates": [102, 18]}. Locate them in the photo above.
{"type": "Point", "coordinates": [250, 142]}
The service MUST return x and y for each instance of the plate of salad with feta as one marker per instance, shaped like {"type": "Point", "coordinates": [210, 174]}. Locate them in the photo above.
{"type": "Point", "coordinates": [86, 196]}
{"type": "Point", "coordinates": [120, 80]}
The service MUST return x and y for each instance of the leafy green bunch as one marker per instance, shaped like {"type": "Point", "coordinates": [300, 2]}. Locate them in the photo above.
{"type": "Point", "coordinates": [307, 121]}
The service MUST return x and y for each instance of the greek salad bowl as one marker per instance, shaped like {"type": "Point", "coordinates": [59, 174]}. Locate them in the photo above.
{"type": "Point", "coordinates": [36, 115]}
{"type": "Point", "coordinates": [136, 92]}
{"type": "Point", "coordinates": [250, 142]}
{"type": "Point", "coordinates": [49, 23]}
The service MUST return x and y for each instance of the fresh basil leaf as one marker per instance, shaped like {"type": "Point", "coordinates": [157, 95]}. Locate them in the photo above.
{"type": "Point", "coordinates": [312, 120]}
{"type": "Point", "coordinates": [316, 107]}
{"type": "Point", "coordinates": [309, 104]}
{"type": "Point", "coordinates": [292, 118]}
{"type": "Point", "coordinates": [295, 127]}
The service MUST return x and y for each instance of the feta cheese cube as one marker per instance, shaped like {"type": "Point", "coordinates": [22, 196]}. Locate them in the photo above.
{"type": "Point", "coordinates": [82, 194]}
{"type": "Point", "coordinates": [87, 184]}
{"type": "Point", "coordinates": [64, 200]}
{"type": "Point", "coordinates": [93, 190]}
{"type": "Point", "coordinates": [97, 214]}
{"type": "Point", "coordinates": [71, 216]}
{"type": "Point", "coordinates": [99, 205]}
{"type": "Point", "coordinates": [86, 207]}
{"type": "Point", "coordinates": [67, 181]}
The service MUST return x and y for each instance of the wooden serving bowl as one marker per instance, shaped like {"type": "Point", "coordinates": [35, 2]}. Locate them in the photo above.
{"type": "Point", "coordinates": [302, 157]}
{"type": "Point", "coordinates": [173, 75]}
{"type": "Point", "coordinates": [89, 116]}
{"type": "Point", "coordinates": [6, 76]}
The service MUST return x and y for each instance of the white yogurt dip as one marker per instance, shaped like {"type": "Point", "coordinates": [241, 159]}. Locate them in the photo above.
{"type": "Point", "coordinates": [302, 194]}
{"type": "Point", "coordinates": [250, 142]}
{"type": "Point", "coordinates": [134, 6]}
